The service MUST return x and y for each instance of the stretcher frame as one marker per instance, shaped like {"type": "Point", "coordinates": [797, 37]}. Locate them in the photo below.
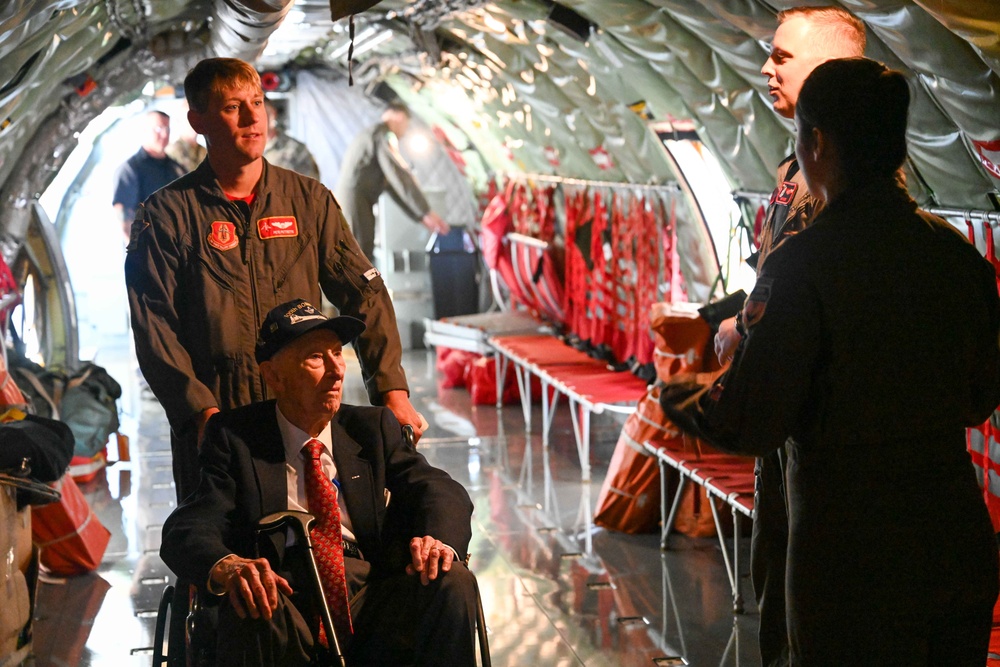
{"type": "Point", "coordinates": [558, 378]}
{"type": "Point", "coordinates": [723, 479]}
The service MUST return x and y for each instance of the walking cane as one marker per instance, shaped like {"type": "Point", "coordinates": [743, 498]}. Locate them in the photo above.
{"type": "Point", "coordinates": [300, 522]}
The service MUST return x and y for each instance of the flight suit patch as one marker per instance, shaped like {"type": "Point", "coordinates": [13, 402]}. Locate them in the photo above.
{"type": "Point", "coordinates": [786, 192]}
{"type": "Point", "coordinates": [223, 235]}
{"type": "Point", "coordinates": [277, 227]}
{"type": "Point", "coordinates": [753, 309]}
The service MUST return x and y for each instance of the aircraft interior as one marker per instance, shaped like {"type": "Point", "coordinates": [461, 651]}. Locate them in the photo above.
{"type": "Point", "coordinates": [602, 168]}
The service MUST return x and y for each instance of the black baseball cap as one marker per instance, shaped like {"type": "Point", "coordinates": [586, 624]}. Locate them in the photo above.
{"type": "Point", "coordinates": [286, 322]}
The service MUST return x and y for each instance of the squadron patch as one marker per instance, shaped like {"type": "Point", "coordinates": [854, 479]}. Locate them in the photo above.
{"type": "Point", "coordinates": [277, 227]}
{"type": "Point", "coordinates": [786, 192]}
{"type": "Point", "coordinates": [753, 309]}
{"type": "Point", "coordinates": [223, 235]}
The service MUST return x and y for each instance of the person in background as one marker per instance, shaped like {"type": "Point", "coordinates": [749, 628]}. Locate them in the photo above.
{"type": "Point", "coordinates": [283, 150]}
{"type": "Point", "coordinates": [866, 366]}
{"type": "Point", "coordinates": [403, 525]}
{"type": "Point", "coordinates": [213, 252]}
{"type": "Point", "coordinates": [145, 172]}
{"type": "Point", "coordinates": [805, 38]}
{"type": "Point", "coordinates": [372, 165]}
{"type": "Point", "coordinates": [186, 150]}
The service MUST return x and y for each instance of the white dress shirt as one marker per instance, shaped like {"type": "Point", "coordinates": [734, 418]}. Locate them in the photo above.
{"type": "Point", "coordinates": [294, 439]}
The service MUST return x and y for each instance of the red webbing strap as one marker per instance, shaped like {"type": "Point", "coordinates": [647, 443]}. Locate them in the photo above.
{"type": "Point", "coordinates": [672, 268]}
{"type": "Point", "coordinates": [525, 209]}
{"type": "Point", "coordinates": [576, 268]}
{"type": "Point", "coordinates": [635, 279]}
{"type": "Point", "coordinates": [525, 266]}
{"type": "Point", "coordinates": [991, 254]}
{"type": "Point", "coordinates": [971, 231]}
{"type": "Point", "coordinates": [8, 285]}
{"type": "Point", "coordinates": [547, 213]}
{"type": "Point", "coordinates": [647, 272]}
{"type": "Point", "coordinates": [617, 299]}
{"type": "Point", "coordinates": [597, 303]}
{"type": "Point", "coordinates": [550, 285]}
{"type": "Point", "coordinates": [521, 256]}
{"type": "Point", "coordinates": [571, 259]}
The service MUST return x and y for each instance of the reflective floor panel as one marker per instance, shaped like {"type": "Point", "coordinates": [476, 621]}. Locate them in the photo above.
{"type": "Point", "coordinates": [556, 591]}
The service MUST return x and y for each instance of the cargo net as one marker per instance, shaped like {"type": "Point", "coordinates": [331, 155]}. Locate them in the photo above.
{"type": "Point", "coordinates": [588, 260]}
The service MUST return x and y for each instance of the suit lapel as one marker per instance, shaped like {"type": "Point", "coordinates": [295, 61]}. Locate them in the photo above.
{"type": "Point", "coordinates": [268, 455]}
{"type": "Point", "coordinates": [356, 484]}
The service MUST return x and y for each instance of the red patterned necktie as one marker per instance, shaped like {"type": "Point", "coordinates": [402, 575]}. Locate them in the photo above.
{"type": "Point", "coordinates": [328, 544]}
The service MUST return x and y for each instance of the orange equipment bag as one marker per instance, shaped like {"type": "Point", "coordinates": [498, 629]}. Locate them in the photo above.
{"type": "Point", "coordinates": [684, 342]}
{"type": "Point", "coordinates": [629, 500]}
{"type": "Point", "coordinates": [70, 537]}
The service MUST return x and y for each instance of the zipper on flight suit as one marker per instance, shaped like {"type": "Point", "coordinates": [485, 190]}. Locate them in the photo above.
{"type": "Point", "coordinates": [244, 210]}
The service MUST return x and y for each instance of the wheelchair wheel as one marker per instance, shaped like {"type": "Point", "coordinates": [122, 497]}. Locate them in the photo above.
{"type": "Point", "coordinates": [166, 600]}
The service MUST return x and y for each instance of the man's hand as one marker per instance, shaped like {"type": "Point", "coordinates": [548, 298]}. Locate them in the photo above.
{"type": "Point", "coordinates": [429, 557]}
{"type": "Point", "coordinates": [727, 340]}
{"type": "Point", "coordinates": [200, 420]}
{"type": "Point", "coordinates": [433, 222]}
{"type": "Point", "coordinates": [398, 401]}
{"type": "Point", "coordinates": [251, 585]}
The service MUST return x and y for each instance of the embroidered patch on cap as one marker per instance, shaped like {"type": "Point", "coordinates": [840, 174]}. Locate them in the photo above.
{"type": "Point", "coordinates": [753, 309]}
{"type": "Point", "coordinates": [223, 235]}
{"type": "Point", "coordinates": [786, 192]}
{"type": "Point", "coordinates": [277, 227]}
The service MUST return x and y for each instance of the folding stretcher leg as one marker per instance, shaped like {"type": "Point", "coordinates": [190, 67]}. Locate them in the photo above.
{"type": "Point", "coordinates": [550, 400]}
{"type": "Point", "coordinates": [581, 431]}
{"type": "Point", "coordinates": [524, 386]}
{"type": "Point", "coordinates": [675, 505]}
{"type": "Point", "coordinates": [730, 571]}
{"type": "Point", "coordinates": [501, 378]}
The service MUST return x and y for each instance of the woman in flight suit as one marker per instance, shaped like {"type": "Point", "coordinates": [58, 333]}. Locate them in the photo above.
{"type": "Point", "coordinates": [888, 322]}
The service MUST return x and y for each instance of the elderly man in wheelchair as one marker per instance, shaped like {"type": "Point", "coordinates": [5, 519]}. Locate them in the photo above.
{"type": "Point", "coordinates": [387, 542]}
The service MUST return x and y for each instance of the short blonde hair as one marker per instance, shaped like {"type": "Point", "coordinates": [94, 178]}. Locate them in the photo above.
{"type": "Point", "coordinates": [839, 31]}
{"type": "Point", "coordinates": [214, 75]}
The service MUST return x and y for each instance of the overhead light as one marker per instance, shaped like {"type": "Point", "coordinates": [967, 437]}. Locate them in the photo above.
{"type": "Point", "coordinates": [418, 143]}
{"type": "Point", "coordinates": [377, 40]}
{"type": "Point", "coordinates": [341, 50]}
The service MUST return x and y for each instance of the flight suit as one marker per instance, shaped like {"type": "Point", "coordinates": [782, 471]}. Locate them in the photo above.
{"type": "Point", "coordinates": [202, 271]}
{"type": "Point", "coordinates": [369, 168]}
{"type": "Point", "coordinates": [790, 209]}
{"type": "Point", "coordinates": [871, 343]}
{"type": "Point", "coordinates": [284, 151]}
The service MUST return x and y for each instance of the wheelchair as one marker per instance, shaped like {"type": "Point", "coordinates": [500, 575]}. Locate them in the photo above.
{"type": "Point", "coordinates": [191, 628]}
{"type": "Point", "coordinates": [188, 622]}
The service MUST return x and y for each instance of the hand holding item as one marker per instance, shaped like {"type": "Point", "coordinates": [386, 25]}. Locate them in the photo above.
{"type": "Point", "coordinates": [433, 222]}
{"type": "Point", "coordinates": [251, 585]}
{"type": "Point", "coordinates": [727, 340]}
{"type": "Point", "coordinates": [398, 401]}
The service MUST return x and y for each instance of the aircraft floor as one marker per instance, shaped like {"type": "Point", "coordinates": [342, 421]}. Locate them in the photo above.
{"type": "Point", "coordinates": [556, 591]}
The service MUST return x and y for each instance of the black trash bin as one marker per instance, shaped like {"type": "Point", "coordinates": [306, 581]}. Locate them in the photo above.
{"type": "Point", "coordinates": [454, 265]}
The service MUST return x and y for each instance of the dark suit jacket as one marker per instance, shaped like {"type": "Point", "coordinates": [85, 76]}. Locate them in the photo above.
{"type": "Point", "coordinates": [244, 479]}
